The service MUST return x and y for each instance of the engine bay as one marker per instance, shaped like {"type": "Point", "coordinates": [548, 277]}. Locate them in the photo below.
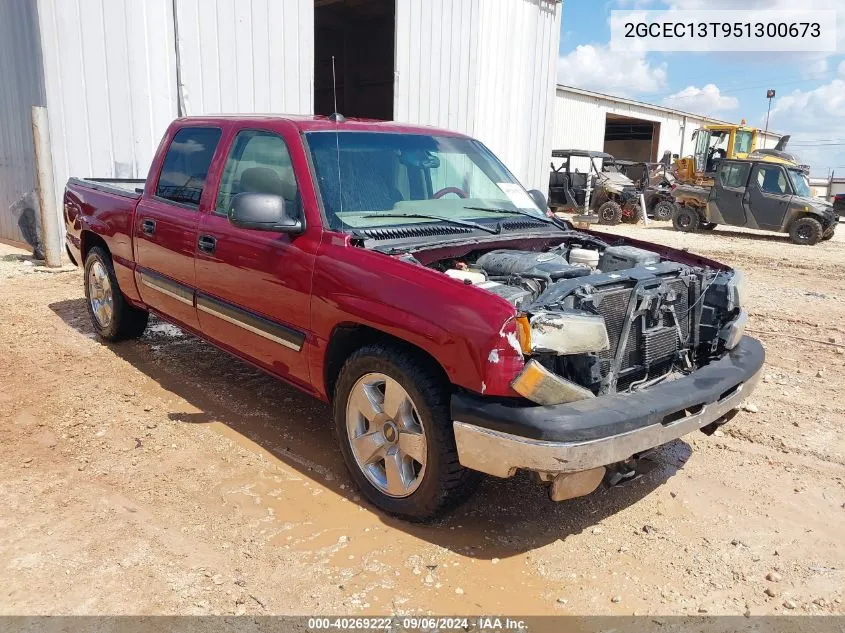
{"type": "Point", "coordinates": [660, 318]}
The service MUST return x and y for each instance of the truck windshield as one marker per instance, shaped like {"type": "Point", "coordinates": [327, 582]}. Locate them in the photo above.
{"type": "Point", "coordinates": [800, 182]}
{"type": "Point", "coordinates": [366, 178]}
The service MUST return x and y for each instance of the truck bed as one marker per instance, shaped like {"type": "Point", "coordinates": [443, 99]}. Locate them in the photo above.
{"type": "Point", "coordinates": [124, 187]}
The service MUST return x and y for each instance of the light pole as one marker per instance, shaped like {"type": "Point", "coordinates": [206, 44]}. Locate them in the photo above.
{"type": "Point", "coordinates": [770, 94]}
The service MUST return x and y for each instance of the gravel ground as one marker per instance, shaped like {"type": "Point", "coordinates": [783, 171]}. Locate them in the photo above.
{"type": "Point", "coordinates": [164, 477]}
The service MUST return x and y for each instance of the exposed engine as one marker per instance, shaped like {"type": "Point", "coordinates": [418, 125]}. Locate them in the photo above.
{"type": "Point", "coordinates": [612, 318]}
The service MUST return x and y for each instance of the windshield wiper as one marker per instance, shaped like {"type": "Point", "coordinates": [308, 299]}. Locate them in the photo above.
{"type": "Point", "coordinates": [425, 216]}
{"type": "Point", "coordinates": [564, 226]}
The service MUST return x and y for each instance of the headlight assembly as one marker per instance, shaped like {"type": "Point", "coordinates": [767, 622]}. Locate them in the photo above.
{"type": "Point", "coordinates": [733, 332]}
{"type": "Point", "coordinates": [737, 290]}
{"type": "Point", "coordinates": [568, 333]}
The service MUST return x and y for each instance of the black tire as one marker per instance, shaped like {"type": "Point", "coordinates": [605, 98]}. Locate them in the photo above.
{"type": "Point", "coordinates": [686, 219]}
{"type": "Point", "coordinates": [829, 233]}
{"type": "Point", "coordinates": [445, 483]}
{"type": "Point", "coordinates": [635, 215]}
{"type": "Point", "coordinates": [126, 321]}
{"type": "Point", "coordinates": [708, 226]}
{"type": "Point", "coordinates": [806, 231]}
{"type": "Point", "coordinates": [663, 211]}
{"type": "Point", "coordinates": [610, 213]}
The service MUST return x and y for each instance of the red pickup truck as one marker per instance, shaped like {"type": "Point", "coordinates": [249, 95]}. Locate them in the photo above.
{"type": "Point", "coordinates": [402, 274]}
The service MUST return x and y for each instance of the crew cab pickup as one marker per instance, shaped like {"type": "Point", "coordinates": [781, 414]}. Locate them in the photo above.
{"type": "Point", "coordinates": [403, 275]}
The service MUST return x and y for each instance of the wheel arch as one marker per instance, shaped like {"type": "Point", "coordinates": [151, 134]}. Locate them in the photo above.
{"type": "Point", "coordinates": [346, 338]}
{"type": "Point", "coordinates": [89, 239]}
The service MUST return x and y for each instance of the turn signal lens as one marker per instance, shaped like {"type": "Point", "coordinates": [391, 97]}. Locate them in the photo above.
{"type": "Point", "coordinates": [523, 333]}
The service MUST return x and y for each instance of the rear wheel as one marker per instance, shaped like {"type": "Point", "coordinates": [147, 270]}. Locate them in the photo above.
{"type": "Point", "coordinates": [112, 316]}
{"type": "Point", "coordinates": [806, 231]}
{"type": "Point", "coordinates": [829, 233]}
{"type": "Point", "coordinates": [686, 219]}
{"type": "Point", "coordinates": [392, 418]}
{"type": "Point", "coordinates": [633, 214]}
{"type": "Point", "coordinates": [663, 211]}
{"type": "Point", "coordinates": [610, 213]}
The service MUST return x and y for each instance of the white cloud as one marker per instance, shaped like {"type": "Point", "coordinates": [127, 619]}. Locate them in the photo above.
{"type": "Point", "coordinates": [704, 100]}
{"type": "Point", "coordinates": [816, 120]}
{"type": "Point", "coordinates": [598, 68]}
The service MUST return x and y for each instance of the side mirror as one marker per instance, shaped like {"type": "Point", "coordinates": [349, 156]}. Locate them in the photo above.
{"type": "Point", "coordinates": [263, 212]}
{"type": "Point", "coordinates": [539, 199]}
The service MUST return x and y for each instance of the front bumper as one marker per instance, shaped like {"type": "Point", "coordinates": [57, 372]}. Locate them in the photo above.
{"type": "Point", "coordinates": [498, 439]}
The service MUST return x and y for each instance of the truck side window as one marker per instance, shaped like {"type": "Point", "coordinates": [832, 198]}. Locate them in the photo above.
{"type": "Point", "coordinates": [259, 162]}
{"type": "Point", "coordinates": [771, 179]}
{"type": "Point", "coordinates": [185, 165]}
{"type": "Point", "coordinates": [734, 174]}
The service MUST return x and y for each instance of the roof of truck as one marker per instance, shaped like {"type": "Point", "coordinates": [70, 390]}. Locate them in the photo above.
{"type": "Point", "coordinates": [320, 123]}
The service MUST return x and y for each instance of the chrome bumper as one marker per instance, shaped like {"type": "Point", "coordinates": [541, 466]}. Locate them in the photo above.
{"type": "Point", "coordinates": [501, 454]}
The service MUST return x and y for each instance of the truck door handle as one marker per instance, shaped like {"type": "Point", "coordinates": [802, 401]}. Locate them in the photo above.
{"type": "Point", "coordinates": [148, 226]}
{"type": "Point", "coordinates": [207, 244]}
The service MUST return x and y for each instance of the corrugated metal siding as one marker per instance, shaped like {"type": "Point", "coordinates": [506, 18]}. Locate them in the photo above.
{"type": "Point", "coordinates": [246, 56]}
{"type": "Point", "coordinates": [110, 78]}
{"type": "Point", "coordinates": [485, 68]}
{"type": "Point", "coordinates": [20, 88]}
{"type": "Point", "coordinates": [579, 123]}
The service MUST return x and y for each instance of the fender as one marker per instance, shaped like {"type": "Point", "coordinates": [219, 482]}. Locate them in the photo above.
{"type": "Point", "coordinates": [461, 327]}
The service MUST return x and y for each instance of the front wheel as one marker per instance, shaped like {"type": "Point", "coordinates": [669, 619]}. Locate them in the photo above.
{"type": "Point", "coordinates": [113, 317]}
{"type": "Point", "coordinates": [663, 211]}
{"type": "Point", "coordinates": [686, 220]}
{"type": "Point", "coordinates": [391, 411]}
{"type": "Point", "coordinates": [806, 231]}
{"type": "Point", "coordinates": [828, 234]}
{"type": "Point", "coordinates": [610, 213]}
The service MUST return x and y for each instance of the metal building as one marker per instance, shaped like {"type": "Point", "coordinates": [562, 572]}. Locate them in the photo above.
{"type": "Point", "coordinates": [625, 128]}
{"type": "Point", "coordinates": [114, 73]}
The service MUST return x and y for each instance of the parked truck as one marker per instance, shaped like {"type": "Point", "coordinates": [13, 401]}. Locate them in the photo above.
{"type": "Point", "coordinates": [403, 275]}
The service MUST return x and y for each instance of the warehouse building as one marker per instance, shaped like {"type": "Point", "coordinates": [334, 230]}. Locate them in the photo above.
{"type": "Point", "coordinates": [114, 73]}
{"type": "Point", "coordinates": [625, 128]}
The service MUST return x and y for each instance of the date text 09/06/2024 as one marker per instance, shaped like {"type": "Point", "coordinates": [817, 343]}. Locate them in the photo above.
{"type": "Point", "coordinates": [480, 623]}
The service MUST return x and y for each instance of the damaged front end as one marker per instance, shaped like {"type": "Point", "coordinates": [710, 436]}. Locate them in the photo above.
{"type": "Point", "coordinates": [624, 349]}
{"type": "Point", "coordinates": [631, 323]}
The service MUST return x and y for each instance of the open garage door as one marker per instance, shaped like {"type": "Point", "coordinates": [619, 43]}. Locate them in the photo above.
{"type": "Point", "coordinates": [359, 34]}
{"type": "Point", "coordinates": [631, 139]}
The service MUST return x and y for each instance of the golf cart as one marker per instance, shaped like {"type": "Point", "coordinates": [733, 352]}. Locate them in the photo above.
{"type": "Point", "coordinates": [654, 181]}
{"type": "Point", "coordinates": [756, 194]}
{"type": "Point", "coordinates": [588, 181]}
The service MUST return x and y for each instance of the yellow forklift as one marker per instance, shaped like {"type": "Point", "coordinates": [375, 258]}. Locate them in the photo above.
{"type": "Point", "coordinates": [715, 143]}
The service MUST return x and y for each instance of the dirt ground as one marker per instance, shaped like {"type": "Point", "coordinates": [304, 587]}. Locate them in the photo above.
{"type": "Point", "coordinates": [164, 477]}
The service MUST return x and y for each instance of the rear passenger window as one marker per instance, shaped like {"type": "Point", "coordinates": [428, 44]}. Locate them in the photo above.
{"type": "Point", "coordinates": [185, 166]}
{"type": "Point", "coordinates": [734, 174]}
{"type": "Point", "coordinates": [258, 163]}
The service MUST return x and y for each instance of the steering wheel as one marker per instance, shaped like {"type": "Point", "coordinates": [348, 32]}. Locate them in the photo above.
{"type": "Point", "coordinates": [458, 192]}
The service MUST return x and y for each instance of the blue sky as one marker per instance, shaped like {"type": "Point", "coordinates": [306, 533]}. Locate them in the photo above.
{"type": "Point", "coordinates": [810, 102]}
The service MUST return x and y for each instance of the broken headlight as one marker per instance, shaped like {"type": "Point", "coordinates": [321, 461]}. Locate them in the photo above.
{"type": "Point", "coordinates": [568, 333]}
{"type": "Point", "coordinates": [733, 332]}
{"type": "Point", "coordinates": [737, 290]}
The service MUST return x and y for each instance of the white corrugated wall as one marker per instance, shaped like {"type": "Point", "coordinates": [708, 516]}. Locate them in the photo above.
{"type": "Point", "coordinates": [110, 78]}
{"type": "Point", "coordinates": [20, 89]}
{"type": "Point", "coordinates": [246, 56]}
{"type": "Point", "coordinates": [580, 123]}
{"type": "Point", "coordinates": [110, 69]}
{"type": "Point", "coordinates": [485, 68]}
